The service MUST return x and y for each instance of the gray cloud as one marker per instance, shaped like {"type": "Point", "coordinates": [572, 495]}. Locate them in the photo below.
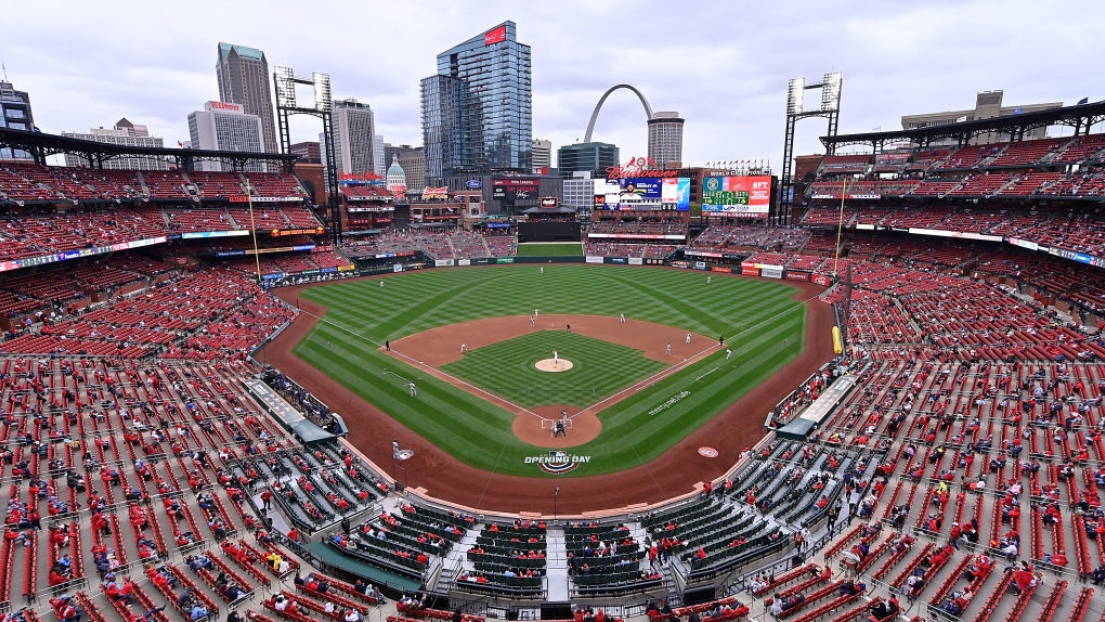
{"type": "Point", "coordinates": [723, 65]}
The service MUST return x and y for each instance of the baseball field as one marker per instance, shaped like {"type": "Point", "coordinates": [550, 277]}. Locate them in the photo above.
{"type": "Point", "coordinates": [644, 384]}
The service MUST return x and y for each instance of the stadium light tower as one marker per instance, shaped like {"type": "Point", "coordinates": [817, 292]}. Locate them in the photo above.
{"type": "Point", "coordinates": [830, 86]}
{"type": "Point", "coordinates": [321, 107]}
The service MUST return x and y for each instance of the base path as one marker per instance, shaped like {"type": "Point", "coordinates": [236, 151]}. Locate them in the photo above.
{"type": "Point", "coordinates": [675, 473]}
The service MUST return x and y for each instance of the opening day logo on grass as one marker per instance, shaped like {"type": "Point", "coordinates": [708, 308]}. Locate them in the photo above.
{"type": "Point", "coordinates": [558, 461]}
{"type": "Point", "coordinates": [668, 404]}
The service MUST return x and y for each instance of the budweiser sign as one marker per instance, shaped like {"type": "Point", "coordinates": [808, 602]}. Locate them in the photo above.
{"type": "Point", "coordinates": [435, 193]}
{"type": "Point", "coordinates": [639, 167]}
{"type": "Point", "coordinates": [359, 177]}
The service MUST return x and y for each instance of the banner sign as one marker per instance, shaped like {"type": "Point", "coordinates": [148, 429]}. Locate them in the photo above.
{"type": "Point", "coordinates": [497, 35]}
{"type": "Point", "coordinates": [241, 198]}
{"type": "Point", "coordinates": [214, 234]}
{"type": "Point", "coordinates": [282, 232]}
{"type": "Point", "coordinates": [962, 235]}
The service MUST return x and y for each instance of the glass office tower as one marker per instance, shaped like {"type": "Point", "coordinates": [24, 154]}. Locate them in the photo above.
{"type": "Point", "coordinates": [477, 112]}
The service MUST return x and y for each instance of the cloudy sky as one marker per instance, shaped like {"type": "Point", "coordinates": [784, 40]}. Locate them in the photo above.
{"type": "Point", "coordinates": [722, 64]}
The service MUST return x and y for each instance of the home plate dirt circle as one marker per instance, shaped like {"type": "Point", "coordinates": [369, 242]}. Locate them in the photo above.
{"type": "Point", "coordinates": [553, 365]}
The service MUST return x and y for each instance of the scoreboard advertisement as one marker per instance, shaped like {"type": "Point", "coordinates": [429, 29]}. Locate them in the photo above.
{"type": "Point", "coordinates": [644, 193]}
{"type": "Point", "coordinates": [741, 197]}
{"type": "Point", "coordinates": [515, 189]}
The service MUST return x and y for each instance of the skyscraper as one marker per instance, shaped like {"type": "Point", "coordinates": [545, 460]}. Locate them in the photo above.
{"type": "Point", "coordinates": [354, 137]}
{"type": "Point", "coordinates": [378, 160]}
{"type": "Point", "coordinates": [225, 127]}
{"type": "Point", "coordinates": [124, 133]}
{"type": "Point", "coordinates": [15, 113]}
{"type": "Point", "coordinates": [244, 79]}
{"type": "Point", "coordinates": [477, 112]}
{"type": "Point", "coordinates": [542, 153]}
{"type": "Point", "coordinates": [665, 139]}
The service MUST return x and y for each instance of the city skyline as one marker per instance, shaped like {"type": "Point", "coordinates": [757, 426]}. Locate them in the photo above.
{"type": "Point", "coordinates": [730, 89]}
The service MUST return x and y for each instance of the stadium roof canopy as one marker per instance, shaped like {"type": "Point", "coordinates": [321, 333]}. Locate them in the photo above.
{"type": "Point", "coordinates": [1081, 117]}
{"type": "Point", "coordinates": [42, 146]}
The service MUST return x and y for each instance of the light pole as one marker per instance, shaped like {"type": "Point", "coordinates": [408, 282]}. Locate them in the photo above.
{"type": "Point", "coordinates": [253, 228]}
{"type": "Point", "coordinates": [555, 498]}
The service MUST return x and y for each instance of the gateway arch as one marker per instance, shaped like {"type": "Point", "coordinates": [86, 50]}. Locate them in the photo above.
{"type": "Point", "coordinates": [598, 106]}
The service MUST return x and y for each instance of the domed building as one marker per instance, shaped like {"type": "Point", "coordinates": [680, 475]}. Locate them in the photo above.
{"type": "Point", "coordinates": [396, 178]}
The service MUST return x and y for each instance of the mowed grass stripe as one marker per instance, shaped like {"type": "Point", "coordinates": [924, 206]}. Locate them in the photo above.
{"type": "Point", "coordinates": [764, 328]}
{"type": "Point", "coordinates": [752, 301]}
{"type": "Point", "coordinates": [574, 249]}
{"type": "Point", "coordinates": [599, 369]}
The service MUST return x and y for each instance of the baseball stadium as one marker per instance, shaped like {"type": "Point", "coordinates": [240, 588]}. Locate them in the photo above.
{"type": "Point", "coordinates": [879, 399]}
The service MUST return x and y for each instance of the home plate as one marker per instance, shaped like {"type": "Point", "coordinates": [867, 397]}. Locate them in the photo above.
{"type": "Point", "coordinates": [553, 365]}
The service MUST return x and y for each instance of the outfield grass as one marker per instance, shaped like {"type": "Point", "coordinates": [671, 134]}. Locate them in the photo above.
{"type": "Point", "coordinates": [574, 249]}
{"type": "Point", "coordinates": [599, 369]}
{"type": "Point", "coordinates": [762, 325]}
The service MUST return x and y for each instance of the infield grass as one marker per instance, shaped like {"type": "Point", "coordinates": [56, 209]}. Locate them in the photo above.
{"type": "Point", "coordinates": [763, 326]}
{"type": "Point", "coordinates": [599, 369]}
{"type": "Point", "coordinates": [545, 249]}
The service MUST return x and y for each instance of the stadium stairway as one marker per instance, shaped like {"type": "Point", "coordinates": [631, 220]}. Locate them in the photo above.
{"type": "Point", "coordinates": [556, 566]}
{"type": "Point", "coordinates": [453, 563]}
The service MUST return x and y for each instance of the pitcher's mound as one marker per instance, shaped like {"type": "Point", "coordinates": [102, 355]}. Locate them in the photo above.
{"type": "Point", "coordinates": [553, 365]}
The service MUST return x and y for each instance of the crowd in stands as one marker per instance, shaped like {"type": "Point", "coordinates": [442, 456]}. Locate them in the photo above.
{"type": "Point", "coordinates": [1004, 170]}
{"type": "Point", "coordinates": [720, 236]}
{"type": "Point", "coordinates": [35, 232]}
{"type": "Point", "coordinates": [209, 314]}
{"type": "Point", "coordinates": [451, 244]}
{"type": "Point", "coordinates": [1081, 232]}
{"type": "Point", "coordinates": [143, 470]}
{"type": "Point", "coordinates": [25, 182]}
{"type": "Point", "coordinates": [54, 291]}
{"type": "Point", "coordinates": [638, 228]}
{"type": "Point", "coordinates": [620, 249]}
{"type": "Point", "coordinates": [1038, 152]}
